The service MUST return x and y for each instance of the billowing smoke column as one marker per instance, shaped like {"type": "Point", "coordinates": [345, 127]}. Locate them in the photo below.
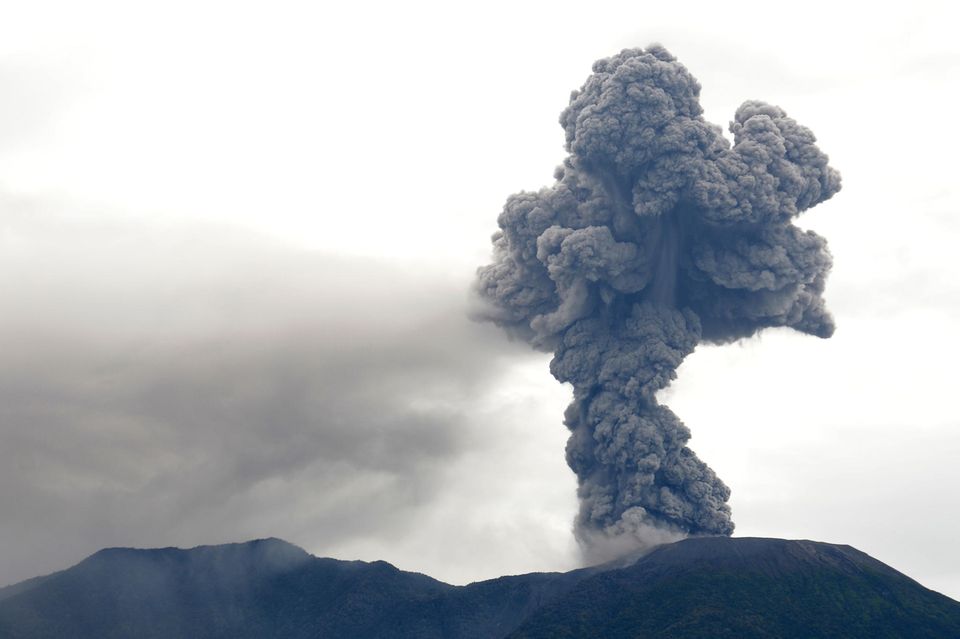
{"type": "Point", "coordinates": [657, 235]}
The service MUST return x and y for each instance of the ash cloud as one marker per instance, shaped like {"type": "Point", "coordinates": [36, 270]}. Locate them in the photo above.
{"type": "Point", "coordinates": [176, 384]}
{"type": "Point", "coordinates": [657, 235]}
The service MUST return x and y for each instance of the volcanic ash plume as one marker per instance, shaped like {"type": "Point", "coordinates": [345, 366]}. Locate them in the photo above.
{"type": "Point", "coordinates": [656, 235]}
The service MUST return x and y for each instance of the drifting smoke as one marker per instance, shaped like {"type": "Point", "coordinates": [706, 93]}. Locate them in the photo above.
{"type": "Point", "coordinates": [657, 235]}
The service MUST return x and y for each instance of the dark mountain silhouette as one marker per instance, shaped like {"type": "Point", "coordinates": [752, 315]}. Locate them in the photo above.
{"type": "Point", "coordinates": [702, 587]}
{"type": "Point", "coordinates": [718, 587]}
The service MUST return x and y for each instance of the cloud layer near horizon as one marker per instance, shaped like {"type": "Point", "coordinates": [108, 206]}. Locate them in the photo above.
{"type": "Point", "coordinates": [181, 385]}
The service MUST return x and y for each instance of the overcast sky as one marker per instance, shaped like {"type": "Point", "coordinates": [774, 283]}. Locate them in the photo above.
{"type": "Point", "coordinates": [236, 242]}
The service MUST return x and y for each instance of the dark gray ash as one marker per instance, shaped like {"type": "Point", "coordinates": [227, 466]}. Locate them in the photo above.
{"type": "Point", "coordinates": [657, 235]}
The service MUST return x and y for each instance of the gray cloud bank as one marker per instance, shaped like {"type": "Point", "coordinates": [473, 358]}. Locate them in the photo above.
{"type": "Point", "coordinates": [179, 384]}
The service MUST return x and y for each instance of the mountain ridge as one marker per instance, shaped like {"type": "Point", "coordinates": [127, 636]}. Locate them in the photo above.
{"type": "Point", "coordinates": [698, 587]}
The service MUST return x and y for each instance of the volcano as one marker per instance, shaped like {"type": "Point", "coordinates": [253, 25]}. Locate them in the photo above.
{"type": "Point", "coordinates": [699, 587]}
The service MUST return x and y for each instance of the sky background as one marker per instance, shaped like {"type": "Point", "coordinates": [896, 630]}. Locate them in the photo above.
{"type": "Point", "coordinates": [236, 243]}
